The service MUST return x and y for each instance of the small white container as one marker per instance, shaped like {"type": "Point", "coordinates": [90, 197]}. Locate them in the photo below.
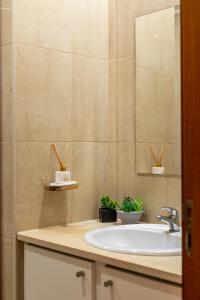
{"type": "Point", "coordinates": [62, 176]}
{"type": "Point", "coordinates": [158, 170]}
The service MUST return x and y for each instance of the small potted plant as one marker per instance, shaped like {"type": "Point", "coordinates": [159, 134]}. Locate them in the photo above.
{"type": "Point", "coordinates": [130, 211]}
{"type": "Point", "coordinates": [107, 212]}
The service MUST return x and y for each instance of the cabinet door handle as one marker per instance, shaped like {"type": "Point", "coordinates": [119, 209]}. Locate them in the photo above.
{"type": "Point", "coordinates": [108, 283]}
{"type": "Point", "coordinates": [80, 274]}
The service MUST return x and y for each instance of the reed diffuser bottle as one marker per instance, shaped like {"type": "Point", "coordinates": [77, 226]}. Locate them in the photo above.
{"type": "Point", "coordinates": [62, 175]}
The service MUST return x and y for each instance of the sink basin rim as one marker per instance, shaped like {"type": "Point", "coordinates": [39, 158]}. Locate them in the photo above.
{"type": "Point", "coordinates": [155, 228]}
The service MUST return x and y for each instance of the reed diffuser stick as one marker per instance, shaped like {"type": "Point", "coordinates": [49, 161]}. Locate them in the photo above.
{"type": "Point", "coordinates": [162, 151]}
{"type": "Point", "coordinates": [158, 158]}
{"type": "Point", "coordinates": [55, 150]}
{"type": "Point", "coordinates": [154, 154]}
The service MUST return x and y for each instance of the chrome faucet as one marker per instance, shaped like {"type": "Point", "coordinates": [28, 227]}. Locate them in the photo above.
{"type": "Point", "coordinates": [172, 219]}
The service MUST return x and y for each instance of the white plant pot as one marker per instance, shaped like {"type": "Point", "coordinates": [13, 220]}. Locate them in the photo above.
{"type": "Point", "coordinates": [129, 217]}
{"type": "Point", "coordinates": [158, 170]}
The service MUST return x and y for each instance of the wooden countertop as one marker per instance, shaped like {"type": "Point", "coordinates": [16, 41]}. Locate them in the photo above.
{"type": "Point", "coordinates": [69, 239]}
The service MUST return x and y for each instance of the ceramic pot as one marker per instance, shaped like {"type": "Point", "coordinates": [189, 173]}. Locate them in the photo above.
{"type": "Point", "coordinates": [107, 215]}
{"type": "Point", "coordinates": [129, 217]}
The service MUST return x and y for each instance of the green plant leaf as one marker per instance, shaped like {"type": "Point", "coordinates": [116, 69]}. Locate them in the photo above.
{"type": "Point", "coordinates": [138, 205]}
{"type": "Point", "coordinates": [107, 202]}
{"type": "Point", "coordinates": [129, 205]}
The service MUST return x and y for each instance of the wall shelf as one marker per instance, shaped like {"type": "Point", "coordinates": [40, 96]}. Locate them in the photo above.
{"type": "Point", "coordinates": [73, 185]}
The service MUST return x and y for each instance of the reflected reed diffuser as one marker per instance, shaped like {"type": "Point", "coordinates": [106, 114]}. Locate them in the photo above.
{"type": "Point", "coordinates": [158, 169]}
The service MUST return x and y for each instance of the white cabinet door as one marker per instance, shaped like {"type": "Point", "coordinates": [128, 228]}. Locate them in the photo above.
{"type": "Point", "coordinates": [122, 285]}
{"type": "Point", "coordinates": [50, 275]}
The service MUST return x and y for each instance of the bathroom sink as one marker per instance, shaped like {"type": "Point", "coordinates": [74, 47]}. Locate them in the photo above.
{"type": "Point", "coordinates": [142, 239]}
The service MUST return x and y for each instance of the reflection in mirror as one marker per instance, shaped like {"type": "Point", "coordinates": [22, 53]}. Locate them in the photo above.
{"type": "Point", "coordinates": [158, 105]}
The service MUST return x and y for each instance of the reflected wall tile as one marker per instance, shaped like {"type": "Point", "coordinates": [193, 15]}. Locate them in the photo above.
{"type": "Point", "coordinates": [43, 94]}
{"type": "Point", "coordinates": [93, 110]}
{"type": "Point", "coordinates": [47, 23]}
{"type": "Point", "coordinates": [7, 190]}
{"type": "Point", "coordinates": [94, 167]}
{"type": "Point", "coordinates": [35, 166]}
{"type": "Point", "coordinates": [6, 93]}
{"type": "Point", "coordinates": [6, 26]}
{"type": "Point", "coordinates": [144, 161]}
{"type": "Point", "coordinates": [125, 100]}
{"type": "Point", "coordinates": [171, 160]}
{"type": "Point", "coordinates": [148, 7]}
{"type": "Point", "coordinates": [155, 99]}
{"type": "Point", "coordinates": [155, 41]}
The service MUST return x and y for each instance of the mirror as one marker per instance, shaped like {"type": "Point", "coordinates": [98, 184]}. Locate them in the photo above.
{"type": "Point", "coordinates": [158, 96]}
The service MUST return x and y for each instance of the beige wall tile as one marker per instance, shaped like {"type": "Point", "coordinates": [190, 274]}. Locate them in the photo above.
{"type": "Point", "coordinates": [35, 206]}
{"type": "Point", "coordinates": [60, 96]}
{"type": "Point", "coordinates": [6, 26]}
{"type": "Point", "coordinates": [125, 100]}
{"type": "Point", "coordinates": [47, 23]}
{"type": "Point", "coordinates": [155, 40]}
{"type": "Point", "coordinates": [144, 160]}
{"type": "Point", "coordinates": [6, 3]}
{"type": "Point", "coordinates": [178, 56]}
{"type": "Point", "coordinates": [7, 189]}
{"type": "Point", "coordinates": [94, 166]}
{"type": "Point", "coordinates": [88, 26]}
{"type": "Point", "coordinates": [112, 29]}
{"type": "Point", "coordinates": [7, 269]}
{"type": "Point", "coordinates": [110, 116]}
{"type": "Point", "coordinates": [127, 11]}
{"type": "Point", "coordinates": [126, 168]}
{"type": "Point", "coordinates": [72, 26]}
{"type": "Point", "coordinates": [43, 94]}
{"type": "Point", "coordinates": [6, 93]}
{"type": "Point", "coordinates": [155, 99]}
{"type": "Point", "coordinates": [174, 194]}
{"type": "Point", "coordinates": [93, 111]}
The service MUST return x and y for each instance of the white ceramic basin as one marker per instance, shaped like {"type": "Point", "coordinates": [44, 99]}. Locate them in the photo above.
{"type": "Point", "coordinates": [142, 239]}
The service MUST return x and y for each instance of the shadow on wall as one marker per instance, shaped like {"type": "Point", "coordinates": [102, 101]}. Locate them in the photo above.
{"type": "Point", "coordinates": [52, 202]}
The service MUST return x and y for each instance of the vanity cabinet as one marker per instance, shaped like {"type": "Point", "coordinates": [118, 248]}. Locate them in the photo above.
{"type": "Point", "coordinates": [114, 284]}
{"type": "Point", "coordinates": [49, 275]}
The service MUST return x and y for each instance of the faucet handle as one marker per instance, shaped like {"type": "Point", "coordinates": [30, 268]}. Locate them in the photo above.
{"type": "Point", "coordinates": [172, 212]}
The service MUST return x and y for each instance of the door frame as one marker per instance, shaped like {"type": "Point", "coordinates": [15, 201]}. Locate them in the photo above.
{"type": "Point", "coordinates": [190, 33]}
